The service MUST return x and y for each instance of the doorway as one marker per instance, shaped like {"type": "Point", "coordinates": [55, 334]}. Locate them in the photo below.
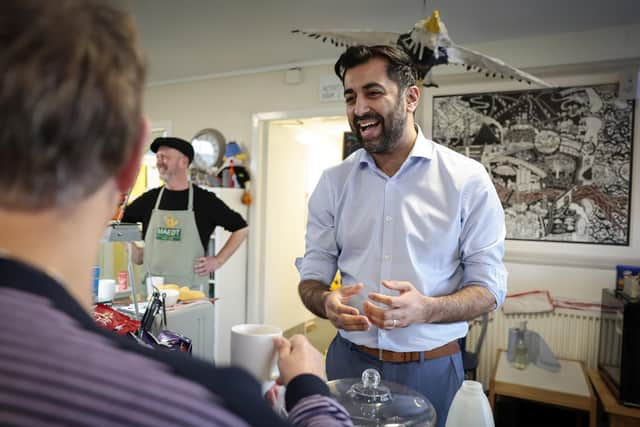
{"type": "Point", "coordinates": [290, 151]}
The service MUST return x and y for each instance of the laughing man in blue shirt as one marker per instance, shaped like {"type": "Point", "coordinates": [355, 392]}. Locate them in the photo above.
{"type": "Point", "coordinates": [416, 231]}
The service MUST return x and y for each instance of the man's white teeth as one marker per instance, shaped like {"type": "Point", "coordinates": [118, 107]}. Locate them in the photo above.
{"type": "Point", "coordinates": [365, 125]}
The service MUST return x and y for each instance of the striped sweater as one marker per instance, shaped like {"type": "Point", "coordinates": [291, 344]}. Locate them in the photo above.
{"type": "Point", "coordinates": [57, 368]}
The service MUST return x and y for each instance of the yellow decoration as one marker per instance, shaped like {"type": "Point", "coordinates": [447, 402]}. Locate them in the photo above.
{"type": "Point", "coordinates": [337, 282]}
{"type": "Point", "coordinates": [433, 23]}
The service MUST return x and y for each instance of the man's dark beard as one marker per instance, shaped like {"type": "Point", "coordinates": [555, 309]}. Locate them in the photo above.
{"type": "Point", "coordinates": [391, 130]}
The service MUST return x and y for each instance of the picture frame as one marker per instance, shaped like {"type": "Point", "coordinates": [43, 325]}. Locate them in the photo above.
{"type": "Point", "coordinates": [561, 158]}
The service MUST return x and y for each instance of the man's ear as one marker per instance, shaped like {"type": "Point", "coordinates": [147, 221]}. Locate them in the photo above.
{"type": "Point", "coordinates": [185, 162]}
{"type": "Point", "coordinates": [412, 96]}
{"type": "Point", "coordinates": [129, 172]}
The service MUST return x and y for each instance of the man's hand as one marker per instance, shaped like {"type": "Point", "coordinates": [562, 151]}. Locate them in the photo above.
{"type": "Point", "coordinates": [206, 264]}
{"type": "Point", "coordinates": [296, 357]}
{"type": "Point", "coordinates": [341, 315]}
{"type": "Point", "coordinates": [407, 308]}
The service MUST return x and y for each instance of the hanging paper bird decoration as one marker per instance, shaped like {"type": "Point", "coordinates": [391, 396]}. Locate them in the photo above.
{"type": "Point", "coordinates": [429, 45]}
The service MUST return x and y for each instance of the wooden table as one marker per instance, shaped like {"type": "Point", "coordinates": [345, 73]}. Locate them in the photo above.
{"type": "Point", "coordinates": [568, 387]}
{"type": "Point", "coordinates": [619, 415]}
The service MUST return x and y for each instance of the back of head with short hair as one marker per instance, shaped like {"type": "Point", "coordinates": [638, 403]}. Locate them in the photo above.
{"type": "Point", "coordinates": [71, 81]}
{"type": "Point", "coordinates": [400, 68]}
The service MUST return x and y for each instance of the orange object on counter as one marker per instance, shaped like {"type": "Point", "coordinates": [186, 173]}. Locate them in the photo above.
{"type": "Point", "coordinates": [117, 215]}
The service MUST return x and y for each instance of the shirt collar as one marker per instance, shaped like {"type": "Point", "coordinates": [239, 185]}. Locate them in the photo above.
{"type": "Point", "coordinates": [423, 148]}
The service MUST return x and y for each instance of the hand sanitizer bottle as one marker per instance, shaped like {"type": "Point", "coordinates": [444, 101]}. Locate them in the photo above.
{"type": "Point", "coordinates": [521, 352]}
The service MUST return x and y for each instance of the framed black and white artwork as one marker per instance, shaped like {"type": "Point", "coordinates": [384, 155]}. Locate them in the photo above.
{"type": "Point", "coordinates": [560, 158]}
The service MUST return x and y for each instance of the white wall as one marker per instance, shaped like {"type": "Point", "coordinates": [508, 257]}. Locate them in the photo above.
{"type": "Point", "coordinates": [229, 103]}
{"type": "Point", "coordinates": [296, 155]}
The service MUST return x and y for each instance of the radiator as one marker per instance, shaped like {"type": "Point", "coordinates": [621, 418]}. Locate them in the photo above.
{"type": "Point", "coordinates": [570, 334]}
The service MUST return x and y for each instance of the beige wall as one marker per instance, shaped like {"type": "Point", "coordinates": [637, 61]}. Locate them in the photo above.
{"type": "Point", "coordinates": [289, 185]}
{"type": "Point", "coordinates": [567, 270]}
{"type": "Point", "coordinates": [228, 103]}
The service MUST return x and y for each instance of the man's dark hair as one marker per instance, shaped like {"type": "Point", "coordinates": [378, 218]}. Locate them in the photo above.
{"type": "Point", "coordinates": [71, 82]}
{"type": "Point", "coordinates": [400, 67]}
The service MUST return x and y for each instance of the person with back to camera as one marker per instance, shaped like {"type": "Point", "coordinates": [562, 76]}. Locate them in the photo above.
{"type": "Point", "coordinates": [416, 231]}
{"type": "Point", "coordinates": [73, 132]}
{"type": "Point", "coordinates": [178, 219]}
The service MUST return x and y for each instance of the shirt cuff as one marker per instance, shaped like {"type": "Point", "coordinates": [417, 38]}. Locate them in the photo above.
{"type": "Point", "coordinates": [302, 386]}
{"type": "Point", "coordinates": [493, 278]}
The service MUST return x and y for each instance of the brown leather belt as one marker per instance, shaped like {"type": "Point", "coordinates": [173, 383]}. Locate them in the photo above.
{"type": "Point", "coordinates": [410, 356]}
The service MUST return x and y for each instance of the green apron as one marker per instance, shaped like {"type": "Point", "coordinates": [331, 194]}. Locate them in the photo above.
{"type": "Point", "coordinates": [172, 245]}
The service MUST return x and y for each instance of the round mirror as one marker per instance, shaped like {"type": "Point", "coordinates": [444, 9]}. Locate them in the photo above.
{"type": "Point", "coordinates": [209, 147]}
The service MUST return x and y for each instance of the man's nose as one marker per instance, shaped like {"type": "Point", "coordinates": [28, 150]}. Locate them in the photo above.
{"type": "Point", "coordinates": [361, 107]}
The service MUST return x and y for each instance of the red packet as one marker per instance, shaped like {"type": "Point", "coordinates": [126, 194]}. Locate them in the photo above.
{"type": "Point", "coordinates": [113, 320]}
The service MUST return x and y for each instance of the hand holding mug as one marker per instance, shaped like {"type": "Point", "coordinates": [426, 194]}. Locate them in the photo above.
{"type": "Point", "coordinates": [296, 357]}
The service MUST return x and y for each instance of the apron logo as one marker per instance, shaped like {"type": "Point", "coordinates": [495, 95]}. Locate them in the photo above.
{"type": "Point", "coordinates": [169, 232]}
{"type": "Point", "coordinates": [170, 221]}
{"type": "Point", "coordinates": [164, 233]}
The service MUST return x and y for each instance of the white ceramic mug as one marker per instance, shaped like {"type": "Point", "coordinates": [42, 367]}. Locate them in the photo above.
{"type": "Point", "coordinates": [252, 348]}
{"type": "Point", "coordinates": [106, 289]}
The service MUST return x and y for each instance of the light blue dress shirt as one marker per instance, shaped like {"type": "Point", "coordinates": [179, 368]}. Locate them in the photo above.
{"type": "Point", "coordinates": [437, 223]}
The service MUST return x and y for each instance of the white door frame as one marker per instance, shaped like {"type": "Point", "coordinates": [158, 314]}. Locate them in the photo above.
{"type": "Point", "coordinates": [257, 214]}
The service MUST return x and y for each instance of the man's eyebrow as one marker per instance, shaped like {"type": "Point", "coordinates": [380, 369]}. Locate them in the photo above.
{"type": "Point", "coordinates": [373, 85]}
{"type": "Point", "coordinates": [366, 87]}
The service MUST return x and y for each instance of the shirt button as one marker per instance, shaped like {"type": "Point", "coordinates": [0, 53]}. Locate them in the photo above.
{"type": "Point", "coordinates": [388, 218]}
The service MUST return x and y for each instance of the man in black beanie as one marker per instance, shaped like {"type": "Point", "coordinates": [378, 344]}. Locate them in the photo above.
{"type": "Point", "coordinates": [178, 219]}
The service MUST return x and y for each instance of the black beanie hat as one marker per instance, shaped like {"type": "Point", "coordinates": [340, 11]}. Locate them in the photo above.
{"type": "Point", "coordinates": [179, 144]}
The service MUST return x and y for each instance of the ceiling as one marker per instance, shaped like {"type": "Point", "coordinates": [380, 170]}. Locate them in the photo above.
{"type": "Point", "coordinates": [196, 38]}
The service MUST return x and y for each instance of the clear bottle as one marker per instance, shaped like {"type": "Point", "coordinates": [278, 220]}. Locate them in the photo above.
{"type": "Point", "coordinates": [521, 352]}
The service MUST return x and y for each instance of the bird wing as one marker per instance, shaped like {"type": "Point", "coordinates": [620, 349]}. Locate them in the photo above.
{"type": "Point", "coordinates": [351, 37]}
{"type": "Point", "coordinates": [491, 66]}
